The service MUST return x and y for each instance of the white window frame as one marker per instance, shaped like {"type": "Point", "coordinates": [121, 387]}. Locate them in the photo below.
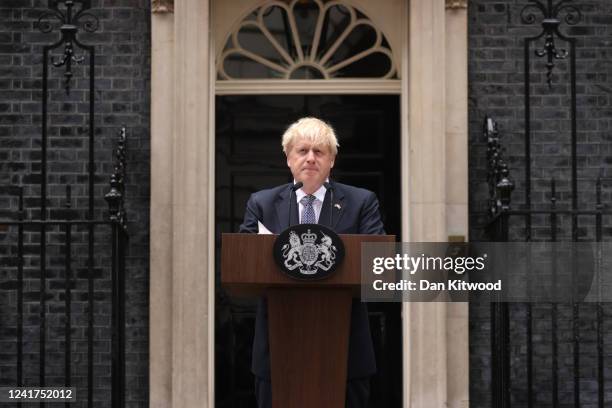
{"type": "Point", "coordinates": [308, 86]}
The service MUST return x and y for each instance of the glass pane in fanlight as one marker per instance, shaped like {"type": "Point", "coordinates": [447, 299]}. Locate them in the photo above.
{"type": "Point", "coordinates": [374, 65]}
{"type": "Point", "coordinates": [335, 23]}
{"type": "Point", "coordinates": [306, 72]}
{"type": "Point", "coordinates": [361, 38]}
{"type": "Point", "coordinates": [239, 66]}
{"type": "Point", "coordinates": [276, 21]}
{"type": "Point", "coordinates": [252, 39]}
{"type": "Point", "coordinates": [306, 14]}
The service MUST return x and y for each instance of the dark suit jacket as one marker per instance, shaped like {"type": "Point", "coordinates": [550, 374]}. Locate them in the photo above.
{"type": "Point", "coordinates": [358, 214]}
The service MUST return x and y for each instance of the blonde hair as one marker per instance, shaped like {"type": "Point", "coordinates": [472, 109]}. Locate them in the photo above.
{"type": "Point", "coordinates": [313, 129]}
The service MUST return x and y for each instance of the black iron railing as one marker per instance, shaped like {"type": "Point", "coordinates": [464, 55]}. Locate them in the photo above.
{"type": "Point", "coordinates": [508, 224]}
{"type": "Point", "coordinates": [114, 232]}
{"type": "Point", "coordinates": [62, 252]}
{"type": "Point", "coordinates": [505, 224]}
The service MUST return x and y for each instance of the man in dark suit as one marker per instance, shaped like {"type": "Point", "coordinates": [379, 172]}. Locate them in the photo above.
{"type": "Point", "coordinates": [311, 147]}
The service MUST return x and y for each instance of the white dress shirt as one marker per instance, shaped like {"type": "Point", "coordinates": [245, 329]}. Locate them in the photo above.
{"type": "Point", "coordinates": [317, 204]}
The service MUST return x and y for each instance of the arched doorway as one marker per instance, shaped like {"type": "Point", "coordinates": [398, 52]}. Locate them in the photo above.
{"type": "Point", "coordinates": [280, 62]}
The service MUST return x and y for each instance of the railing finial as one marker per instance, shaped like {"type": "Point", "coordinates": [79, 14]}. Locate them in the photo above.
{"type": "Point", "coordinates": [115, 197]}
{"type": "Point", "coordinates": [498, 174]}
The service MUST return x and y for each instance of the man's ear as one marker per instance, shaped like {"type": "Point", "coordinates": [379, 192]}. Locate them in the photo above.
{"type": "Point", "coordinates": [288, 149]}
{"type": "Point", "coordinates": [332, 162]}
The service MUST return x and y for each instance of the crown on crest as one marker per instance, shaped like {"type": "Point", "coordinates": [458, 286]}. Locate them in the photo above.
{"type": "Point", "coordinates": [308, 237]}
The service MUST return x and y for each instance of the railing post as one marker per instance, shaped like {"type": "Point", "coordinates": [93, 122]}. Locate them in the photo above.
{"type": "Point", "coordinates": [500, 197]}
{"type": "Point", "coordinates": [114, 198]}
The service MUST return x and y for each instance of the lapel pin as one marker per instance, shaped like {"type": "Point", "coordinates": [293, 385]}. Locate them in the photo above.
{"type": "Point", "coordinates": [338, 206]}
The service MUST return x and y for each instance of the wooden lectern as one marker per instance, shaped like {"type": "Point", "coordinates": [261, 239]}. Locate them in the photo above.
{"type": "Point", "coordinates": [308, 320]}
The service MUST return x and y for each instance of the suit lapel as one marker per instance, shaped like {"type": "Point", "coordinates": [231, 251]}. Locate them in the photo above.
{"type": "Point", "coordinates": [324, 216]}
{"type": "Point", "coordinates": [282, 210]}
{"type": "Point", "coordinates": [337, 207]}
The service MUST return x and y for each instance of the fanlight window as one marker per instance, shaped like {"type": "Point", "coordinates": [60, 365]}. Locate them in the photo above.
{"type": "Point", "coordinates": [306, 40]}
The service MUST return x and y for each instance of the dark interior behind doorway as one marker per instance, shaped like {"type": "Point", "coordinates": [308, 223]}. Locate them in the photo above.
{"type": "Point", "coordinates": [249, 157]}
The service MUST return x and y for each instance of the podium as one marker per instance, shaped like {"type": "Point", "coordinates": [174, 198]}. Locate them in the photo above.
{"type": "Point", "coordinates": [309, 321]}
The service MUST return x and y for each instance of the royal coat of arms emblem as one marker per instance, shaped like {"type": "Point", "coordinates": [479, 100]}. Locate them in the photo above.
{"type": "Point", "coordinates": [308, 251]}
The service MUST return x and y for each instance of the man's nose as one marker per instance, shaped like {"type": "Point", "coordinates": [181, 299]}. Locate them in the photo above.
{"type": "Point", "coordinates": [310, 156]}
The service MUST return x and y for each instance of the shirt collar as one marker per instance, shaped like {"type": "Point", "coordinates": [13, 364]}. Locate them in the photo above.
{"type": "Point", "coordinates": [319, 194]}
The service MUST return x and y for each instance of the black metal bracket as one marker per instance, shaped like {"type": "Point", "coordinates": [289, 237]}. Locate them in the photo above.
{"type": "Point", "coordinates": [70, 20]}
{"type": "Point", "coordinates": [115, 197]}
{"type": "Point", "coordinates": [550, 28]}
{"type": "Point", "coordinates": [498, 174]}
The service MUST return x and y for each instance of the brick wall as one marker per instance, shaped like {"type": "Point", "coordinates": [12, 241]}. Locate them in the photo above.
{"type": "Point", "coordinates": [122, 47]}
{"type": "Point", "coordinates": [496, 88]}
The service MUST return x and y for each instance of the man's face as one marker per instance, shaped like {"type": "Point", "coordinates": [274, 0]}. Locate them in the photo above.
{"type": "Point", "coordinates": [310, 163]}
